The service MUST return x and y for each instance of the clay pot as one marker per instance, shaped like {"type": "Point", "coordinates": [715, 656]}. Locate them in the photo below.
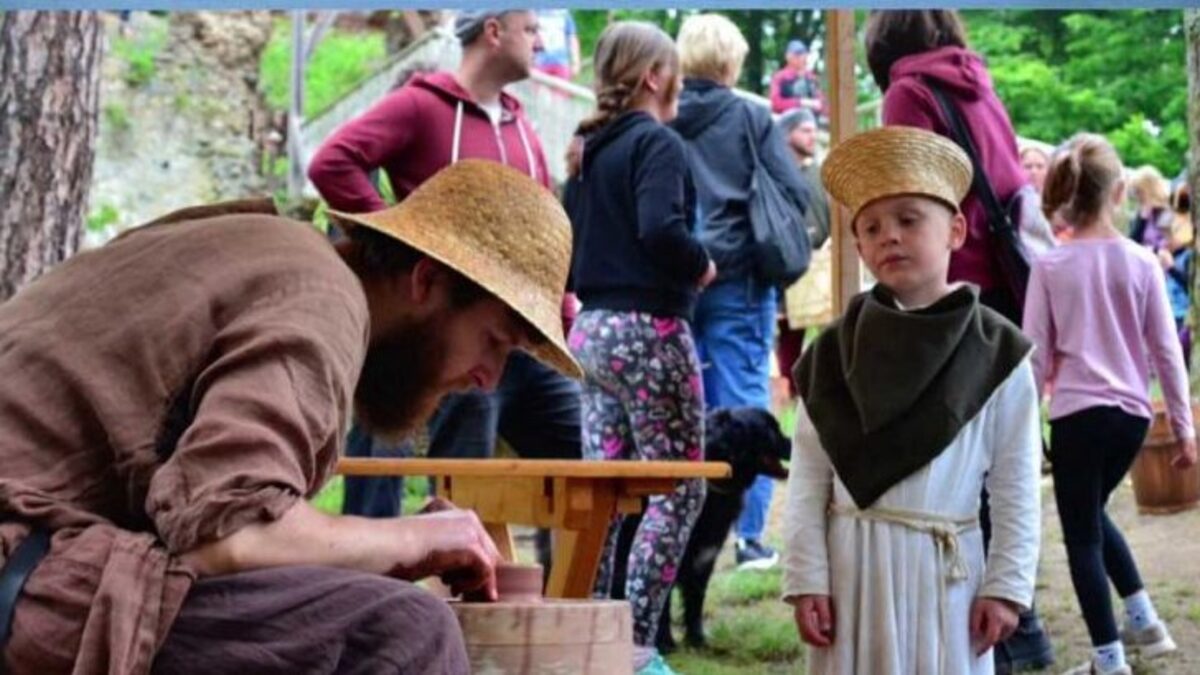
{"type": "Point", "coordinates": [1158, 487]}
{"type": "Point", "coordinates": [514, 583]}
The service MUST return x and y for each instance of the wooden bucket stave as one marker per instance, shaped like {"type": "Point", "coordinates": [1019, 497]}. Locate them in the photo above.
{"type": "Point", "coordinates": [1158, 487]}
{"type": "Point", "coordinates": [548, 637]}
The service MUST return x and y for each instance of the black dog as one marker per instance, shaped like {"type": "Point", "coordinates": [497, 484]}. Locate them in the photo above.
{"type": "Point", "coordinates": [750, 440]}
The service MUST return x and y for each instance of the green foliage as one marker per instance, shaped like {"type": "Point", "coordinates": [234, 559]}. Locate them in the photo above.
{"type": "Point", "coordinates": [329, 499]}
{"type": "Point", "coordinates": [1121, 74]}
{"type": "Point", "coordinates": [102, 217]}
{"type": "Point", "coordinates": [140, 51]}
{"type": "Point", "coordinates": [117, 116]}
{"type": "Point", "coordinates": [340, 61]}
{"type": "Point", "coordinates": [766, 31]}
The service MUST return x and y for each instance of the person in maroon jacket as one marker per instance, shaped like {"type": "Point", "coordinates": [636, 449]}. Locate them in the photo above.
{"type": "Point", "coordinates": [410, 134]}
{"type": "Point", "coordinates": [908, 51]}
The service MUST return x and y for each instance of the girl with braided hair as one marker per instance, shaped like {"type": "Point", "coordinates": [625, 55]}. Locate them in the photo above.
{"type": "Point", "coordinates": [637, 267]}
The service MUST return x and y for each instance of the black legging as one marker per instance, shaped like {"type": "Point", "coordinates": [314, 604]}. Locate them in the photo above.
{"type": "Point", "coordinates": [1090, 452]}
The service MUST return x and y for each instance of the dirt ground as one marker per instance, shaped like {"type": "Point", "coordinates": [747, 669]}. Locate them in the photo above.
{"type": "Point", "coordinates": [1167, 550]}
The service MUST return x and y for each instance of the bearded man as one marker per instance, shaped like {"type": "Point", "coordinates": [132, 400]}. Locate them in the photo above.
{"type": "Point", "coordinates": [170, 401]}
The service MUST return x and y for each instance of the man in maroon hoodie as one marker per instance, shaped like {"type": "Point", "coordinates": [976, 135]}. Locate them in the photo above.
{"type": "Point", "coordinates": [908, 51]}
{"type": "Point", "coordinates": [410, 134]}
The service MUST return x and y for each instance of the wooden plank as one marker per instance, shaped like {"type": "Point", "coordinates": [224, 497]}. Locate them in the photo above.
{"type": "Point", "coordinates": [843, 123]}
{"type": "Point", "coordinates": [498, 468]}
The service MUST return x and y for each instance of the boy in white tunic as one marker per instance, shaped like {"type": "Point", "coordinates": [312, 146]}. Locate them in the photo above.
{"type": "Point", "coordinates": [911, 402]}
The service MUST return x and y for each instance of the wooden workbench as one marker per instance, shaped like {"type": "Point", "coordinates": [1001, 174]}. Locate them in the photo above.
{"type": "Point", "coordinates": [577, 498]}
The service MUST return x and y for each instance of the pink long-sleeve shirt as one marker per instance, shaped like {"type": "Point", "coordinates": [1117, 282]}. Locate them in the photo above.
{"type": "Point", "coordinates": [1098, 315]}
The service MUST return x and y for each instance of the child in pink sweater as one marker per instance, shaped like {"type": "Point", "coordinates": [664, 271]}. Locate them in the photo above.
{"type": "Point", "coordinates": [1098, 314]}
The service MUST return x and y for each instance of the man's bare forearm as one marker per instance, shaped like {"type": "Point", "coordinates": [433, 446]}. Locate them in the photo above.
{"type": "Point", "coordinates": [306, 536]}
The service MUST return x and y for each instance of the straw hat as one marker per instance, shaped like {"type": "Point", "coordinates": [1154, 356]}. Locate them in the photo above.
{"type": "Point", "coordinates": [500, 229]}
{"type": "Point", "coordinates": [891, 161]}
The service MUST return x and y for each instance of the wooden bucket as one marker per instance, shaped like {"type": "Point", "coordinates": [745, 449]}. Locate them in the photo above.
{"type": "Point", "coordinates": [1158, 487]}
{"type": "Point", "coordinates": [548, 637]}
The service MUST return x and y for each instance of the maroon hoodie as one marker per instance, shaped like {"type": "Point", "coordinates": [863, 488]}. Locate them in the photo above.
{"type": "Point", "coordinates": [961, 75]}
{"type": "Point", "coordinates": [410, 134]}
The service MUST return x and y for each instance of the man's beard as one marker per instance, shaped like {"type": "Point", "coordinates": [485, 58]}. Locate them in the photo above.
{"type": "Point", "coordinates": [400, 385]}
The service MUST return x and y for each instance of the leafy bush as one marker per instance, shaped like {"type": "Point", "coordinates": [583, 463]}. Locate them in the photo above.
{"type": "Point", "coordinates": [140, 51]}
{"type": "Point", "coordinates": [102, 217]}
{"type": "Point", "coordinates": [339, 62]}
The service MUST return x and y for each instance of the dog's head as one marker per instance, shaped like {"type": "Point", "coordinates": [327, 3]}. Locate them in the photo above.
{"type": "Point", "coordinates": [750, 440]}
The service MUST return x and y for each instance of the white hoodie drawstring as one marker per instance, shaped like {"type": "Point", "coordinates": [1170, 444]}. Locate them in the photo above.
{"type": "Point", "coordinates": [456, 143]}
{"type": "Point", "coordinates": [458, 112]}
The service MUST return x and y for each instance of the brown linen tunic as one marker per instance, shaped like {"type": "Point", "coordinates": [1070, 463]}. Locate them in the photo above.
{"type": "Point", "coordinates": [183, 381]}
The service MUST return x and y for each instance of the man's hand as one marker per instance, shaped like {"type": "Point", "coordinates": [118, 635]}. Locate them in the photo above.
{"type": "Point", "coordinates": [992, 620]}
{"type": "Point", "coordinates": [814, 619]}
{"type": "Point", "coordinates": [449, 543]}
{"type": "Point", "coordinates": [1185, 454]}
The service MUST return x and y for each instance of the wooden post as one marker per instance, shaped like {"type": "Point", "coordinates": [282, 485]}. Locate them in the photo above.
{"type": "Point", "coordinates": [843, 123]}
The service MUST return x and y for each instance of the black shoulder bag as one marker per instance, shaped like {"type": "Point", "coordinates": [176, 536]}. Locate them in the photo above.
{"type": "Point", "coordinates": [1007, 249]}
{"type": "Point", "coordinates": [781, 246]}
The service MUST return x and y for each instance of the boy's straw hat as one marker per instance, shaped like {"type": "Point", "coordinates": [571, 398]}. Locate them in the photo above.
{"type": "Point", "coordinates": [891, 161]}
{"type": "Point", "coordinates": [500, 229]}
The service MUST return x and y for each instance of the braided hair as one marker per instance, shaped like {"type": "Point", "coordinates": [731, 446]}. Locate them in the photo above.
{"type": "Point", "coordinates": [625, 53]}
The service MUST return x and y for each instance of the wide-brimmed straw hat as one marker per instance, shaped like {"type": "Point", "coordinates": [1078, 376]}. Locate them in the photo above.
{"type": "Point", "coordinates": [891, 161]}
{"type": "Point", "coordinates": [500, 229]}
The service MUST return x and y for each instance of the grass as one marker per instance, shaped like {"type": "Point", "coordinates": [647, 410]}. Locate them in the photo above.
{"type": "Point", "coordinates": [340, 60]}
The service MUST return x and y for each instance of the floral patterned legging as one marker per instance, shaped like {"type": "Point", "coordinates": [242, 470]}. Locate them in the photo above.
{"type": "Point", "coordinates": [643, 399]}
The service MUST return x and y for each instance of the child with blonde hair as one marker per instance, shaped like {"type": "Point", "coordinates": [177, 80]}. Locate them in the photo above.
{"type": "Point", "coordinates": [1096, 309]}
{"type": "Point", "coordinates": [912, 402]}
{"type": "Point", "coordinates": [637, 266]}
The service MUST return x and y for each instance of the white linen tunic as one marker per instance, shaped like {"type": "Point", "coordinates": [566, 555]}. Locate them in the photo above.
{"type": "Point", "coordinates": [886, 579]}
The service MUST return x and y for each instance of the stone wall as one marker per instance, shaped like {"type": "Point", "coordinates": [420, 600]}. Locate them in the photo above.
{"type": "Point", "coordinates": [193, 131]}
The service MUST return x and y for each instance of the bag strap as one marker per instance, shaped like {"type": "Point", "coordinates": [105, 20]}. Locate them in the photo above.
{"type": "Point", "coordinates": [12, 578]}
{"type": "Point", "coordinates": [753, 137]}
{"type": "Point", "coordinates": [980, 184]}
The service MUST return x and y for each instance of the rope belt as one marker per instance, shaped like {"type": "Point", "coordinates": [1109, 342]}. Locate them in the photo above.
{"type": "Point", "coordinates": [945, 531]}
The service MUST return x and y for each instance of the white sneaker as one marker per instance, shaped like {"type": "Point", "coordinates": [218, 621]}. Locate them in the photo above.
{"type": "Point", "coordinates": [1089, 668]}
{"type": "Point", "coordinates": [1150, 642]}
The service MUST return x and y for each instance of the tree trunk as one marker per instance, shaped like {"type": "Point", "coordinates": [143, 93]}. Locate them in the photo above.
{"type": "Point", "coordinates": [1191, 23]}
{"type": "Point", "coordinates": [49, 103]}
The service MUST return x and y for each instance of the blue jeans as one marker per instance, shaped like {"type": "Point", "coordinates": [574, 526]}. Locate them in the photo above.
{"type": "Point", "coordinates": [535, 408]}
{"type": "Point", "coordinates": [734, 327]}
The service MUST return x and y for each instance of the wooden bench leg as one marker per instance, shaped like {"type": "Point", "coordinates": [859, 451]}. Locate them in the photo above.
{"type": "Point", "coordinates": [576, 559]}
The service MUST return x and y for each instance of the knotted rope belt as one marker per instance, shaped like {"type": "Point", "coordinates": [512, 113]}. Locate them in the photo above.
{"type": "Point", "coordinates": [944, 530]}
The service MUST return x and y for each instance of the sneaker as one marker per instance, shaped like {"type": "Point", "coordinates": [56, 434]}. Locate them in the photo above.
{"type": "Point", "coordinates": [1089, 668]}
{"type": "Point", "coordinates": [1149, 642]}
{"type": "Point", "coordinates": [656, 666]}
{"type": "Point", "coordinates": [752, 554]}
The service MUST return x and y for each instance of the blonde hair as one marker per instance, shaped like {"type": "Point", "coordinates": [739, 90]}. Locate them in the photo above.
{"type": "Point", "coordinates": [1151, 185]}
{"type": "Point", "coordinates": [712, 47]}
{"type": "Point", "coordinates": [1080, 177]}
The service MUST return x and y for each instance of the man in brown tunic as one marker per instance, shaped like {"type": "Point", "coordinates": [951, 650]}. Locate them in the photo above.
{"type": "Point", "coordinates": [168, 403]}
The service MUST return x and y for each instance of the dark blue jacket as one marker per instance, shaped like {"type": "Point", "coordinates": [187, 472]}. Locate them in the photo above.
{"type": "Point", "coordinates": [632, 210]}
{"type": "Point", "coordinates": [717, 127]}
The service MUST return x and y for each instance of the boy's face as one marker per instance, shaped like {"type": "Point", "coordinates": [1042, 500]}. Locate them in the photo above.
{"type": "Point", "coordinates": [906, 242]}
